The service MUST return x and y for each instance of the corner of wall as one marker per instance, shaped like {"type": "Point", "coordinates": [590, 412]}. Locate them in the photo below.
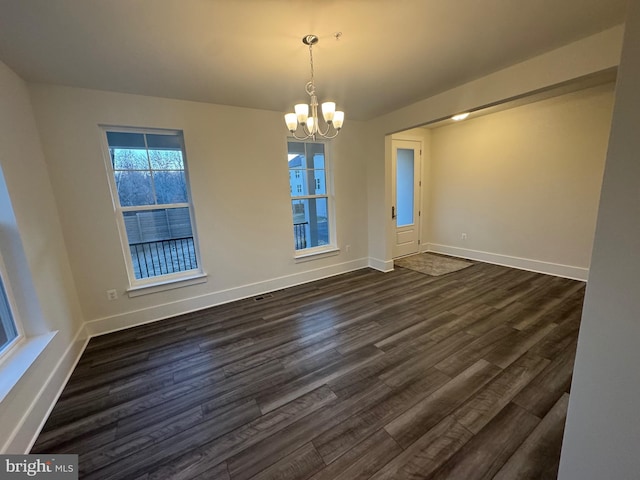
{"type": "Point", "coordinates": [381, 265]}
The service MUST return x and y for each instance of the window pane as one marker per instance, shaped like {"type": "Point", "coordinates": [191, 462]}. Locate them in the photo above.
{"type": "Point", "coordinates": [315, 155]}
{"type": "Point", "coordinates": [8, 330]}
{"type": "Point", "coordinates": [404, 187]}
{"type": "Point", "coordinates": [160, 241]}
{"type": "Point", "coordinates": [164, 141]}
{"type": "Point", "coordinates": [298, 182]}
{"type": "Point", "coordinates": [166, 159]}
{"type": "Point", "coordinates": [129, 159]}
{"type": "Point", "coordinates": [134, 187]}
{"type": "Point", "coordinates": [311, 157]}
{"type": "Point", "coordinates": [310, 222]}
{"type": "Point", "coordinates": [296, 161]}
{"type": "Point", "coordinates": [307, 182]}
{"type": "Point", "coordinates": [171, 186]}
{"type": "Point", "coordinates": [318, 160]}
{"type": "Point", "coordinates": [126, 140]}
{"type": "Point", "coordinates": [295, 149]}
{"type": "Point", "coordinates": [319, 182]}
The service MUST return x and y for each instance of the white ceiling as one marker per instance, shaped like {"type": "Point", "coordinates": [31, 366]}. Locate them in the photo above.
{"type": "Point", "coordinates": [249, 52]}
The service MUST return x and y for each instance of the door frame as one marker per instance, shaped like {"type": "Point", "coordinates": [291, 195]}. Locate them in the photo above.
{"type": "Point", "coordinates": [418, 195]}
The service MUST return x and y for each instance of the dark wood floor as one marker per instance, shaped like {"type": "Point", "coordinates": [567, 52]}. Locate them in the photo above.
{"type": "Point", "coordinates": [364, 375]}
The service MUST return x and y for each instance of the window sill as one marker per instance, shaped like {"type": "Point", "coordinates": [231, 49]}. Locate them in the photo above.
{"type": "Point", "coordinates": [162, 286]}
{"type": "Point", "coordinates": [308, 256]}
{"type": "Point", "coordinates": [18, 362]}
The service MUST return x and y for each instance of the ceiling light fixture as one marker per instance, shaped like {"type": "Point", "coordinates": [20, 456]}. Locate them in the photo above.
{"type": "Point", "coordinates": [307, 115]}
{"type": "Point", "coordinates": [460, 116]}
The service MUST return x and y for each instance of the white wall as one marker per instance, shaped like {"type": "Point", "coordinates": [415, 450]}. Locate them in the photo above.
{"type": "Point", "coordinates": [587, 56]}
{"type": "Point", "coordinates": [523, 183]}
{"type": "Point", "coordinates": [37, 262]}
{"type": "Point", "coordinates": [239, 183]}
{"type": "Point", "coordinates": [602, 435]}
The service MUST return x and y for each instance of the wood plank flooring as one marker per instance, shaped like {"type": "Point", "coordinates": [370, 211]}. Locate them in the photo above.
{"type": "Point", "coordinates": [361, 376]}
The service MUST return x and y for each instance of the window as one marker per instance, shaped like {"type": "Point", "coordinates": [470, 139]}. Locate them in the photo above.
{"type": "Point", "coordinates": [150, 186]}
{"type": "Point", "coordinates": [311, 202]}
{"type": "Point", "coordinates": [9, 334]}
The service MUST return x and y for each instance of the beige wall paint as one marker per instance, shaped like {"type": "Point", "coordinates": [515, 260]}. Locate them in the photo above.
{"type": "Point", "coordinates": [239, 183]}
{"type": "Point", "coordinates": [36, 257]}
{"type": "Point", "coordinates": [602, 435]}
{"type": "Point", "coordinates": [523, 182]}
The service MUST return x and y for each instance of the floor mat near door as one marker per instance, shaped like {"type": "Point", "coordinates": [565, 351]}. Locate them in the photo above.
{"type": "Point", "coordinates": [432, 264]}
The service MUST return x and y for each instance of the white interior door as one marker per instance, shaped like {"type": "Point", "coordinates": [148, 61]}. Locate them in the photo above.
{"type": "Point", "coordinates": [406, 196]}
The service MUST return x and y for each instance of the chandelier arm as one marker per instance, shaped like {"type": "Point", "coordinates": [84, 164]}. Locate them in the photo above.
{"type": "Point", "coordinates": [297, 137]}
{"type": "Point", "coordinates": [306, 132]}
{"type": "Point", "coordinates": [324, 134]}
{"type": "Point", "coordinates": [329, 137]}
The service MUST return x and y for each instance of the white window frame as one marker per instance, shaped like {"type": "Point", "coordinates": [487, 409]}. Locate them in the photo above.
{"type": "Point", "coordinates": [158, 282]}
{"type": "Point", "coordinates": [331, 247]}
{"type": "Point", "coordinates": [10, 348]}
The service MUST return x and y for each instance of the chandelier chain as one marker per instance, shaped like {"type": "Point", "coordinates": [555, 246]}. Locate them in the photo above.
{"type": "Point", "coordinates": [311, 87]}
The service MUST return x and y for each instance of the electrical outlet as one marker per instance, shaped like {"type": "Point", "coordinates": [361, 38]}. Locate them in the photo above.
{"type": "Point", "coordinates": [112, 294]}
{"type": "Point", "coordinates": [347, 247]}
{"type": "Point", "coordinates": [463, 236]}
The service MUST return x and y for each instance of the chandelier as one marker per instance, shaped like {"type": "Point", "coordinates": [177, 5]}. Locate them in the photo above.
{"type": "Point", "coordinates": [307, 115]}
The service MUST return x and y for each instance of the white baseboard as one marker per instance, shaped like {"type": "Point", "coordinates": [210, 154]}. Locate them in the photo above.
{"type": "Point", "coordinates": [28, 427]}
{"type": "Point", "coordinates": [381, 265]}
{"type": "Point", "coordinates": [556, 269]}
{"type": "Point", "coordinates": [134, 318]}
